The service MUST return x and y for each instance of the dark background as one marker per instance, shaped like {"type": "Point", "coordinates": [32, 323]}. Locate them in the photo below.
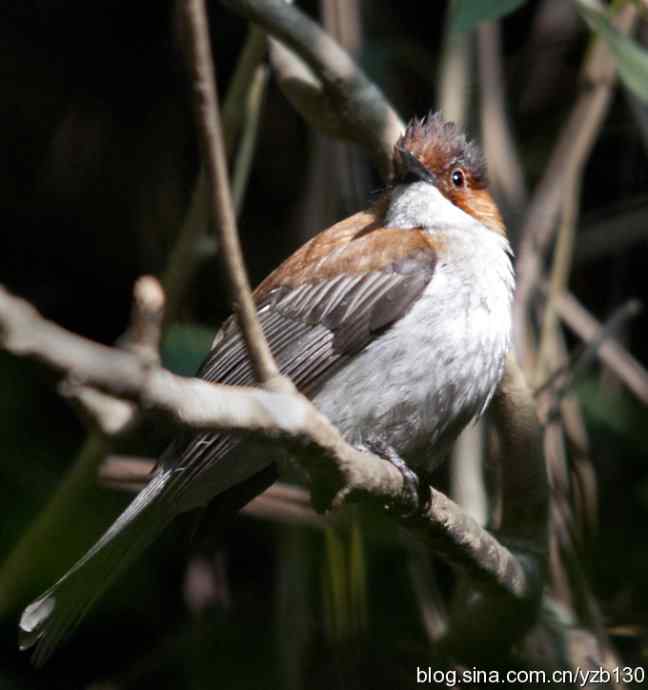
{"type": "Point", "coordinates": [97, 163]}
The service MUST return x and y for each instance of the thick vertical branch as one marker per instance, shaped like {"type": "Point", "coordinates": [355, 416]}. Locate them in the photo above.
{"type": "Point", "coordinates": [525, 490]}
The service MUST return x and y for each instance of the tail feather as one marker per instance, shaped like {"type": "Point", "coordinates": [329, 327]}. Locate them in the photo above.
{"type": "Point", "coordinates": [46, 621]}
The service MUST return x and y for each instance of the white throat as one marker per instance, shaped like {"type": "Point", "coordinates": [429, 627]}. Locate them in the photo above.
{"type": "Point", "coordinates": [422, 205]}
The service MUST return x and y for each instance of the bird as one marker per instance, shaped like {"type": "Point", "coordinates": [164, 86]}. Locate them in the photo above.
{"type": "Point", "coordinates": [395, 322]}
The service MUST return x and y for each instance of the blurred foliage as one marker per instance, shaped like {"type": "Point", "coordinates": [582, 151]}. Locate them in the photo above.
{"type": "Point", "coordinates": [98, 166]}
{"type": "Point", "coordinates": [632, 60]}
{"type": "Point", "coordinates": [183, 347]}
{"type": "Point", "coordinates": [466, 15]}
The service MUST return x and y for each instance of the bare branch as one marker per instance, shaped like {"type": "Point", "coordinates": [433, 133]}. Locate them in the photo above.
{"type": "Point", "coordinates": [125, 472]}
{"type": "Point", "coordinates": [251, 115]}
{"type": "Point", "coordinates": [193, 244]}
{"type": "Point", "coordinates": [357, 102]}
{"type": "Point", "coordinates": [572, 149]}
{"type": "Point", "coordinates": [238, 91]}
{"type": "Point", "coordinates": [522, 527]}
{"type": "Point", "coordinates": [283, 503]}
{"type": "Point", "coordinates": [456, 535]}
{"type": "Point", "coordinates": [455, 73]}
{"type": "Point", "coordinates": [467, 472]}
{"type": "Point", "coordinates": [563, 379]}
{"type": "Point", "coordinates": [505, 169]}
{"type": "Point", "coordinates": [560, 270]}
{"type": "Point", "coordinates": [112, 416]}
{"type": "Point", "coordinates": [617, 358]}
{"type": "Point", "coordinates": [145, 330]}
{"type": "Point", "coordinates": [305, 91]}
{"type": "Point", "coordinates": [206, 104]}
{"type": "Point", "coordinates": [339, 473]}
{"type": "Point", "coordinates": [525, 490]}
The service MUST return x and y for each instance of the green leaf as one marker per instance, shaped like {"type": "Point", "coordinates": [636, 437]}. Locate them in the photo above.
{"type": "Point", "coordinates": [185, 346]}
{"type": "Point", "coordinates": [632, 61]}
{"type": "Point", "coordinates": [466, 14]}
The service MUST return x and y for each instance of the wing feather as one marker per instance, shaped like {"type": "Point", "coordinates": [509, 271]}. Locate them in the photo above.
{"type": "Point", "coordinates": [314, 326]}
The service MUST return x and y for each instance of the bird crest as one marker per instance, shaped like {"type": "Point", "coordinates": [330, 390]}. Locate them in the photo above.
{"type": "Point", "coordinates": [440, 146]}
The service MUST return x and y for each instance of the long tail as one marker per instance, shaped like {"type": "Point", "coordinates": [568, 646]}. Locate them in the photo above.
{"type": "Point", "coordinates": [46, 621]}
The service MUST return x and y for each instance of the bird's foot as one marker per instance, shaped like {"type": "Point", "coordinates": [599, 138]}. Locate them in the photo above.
{"type": "Point", "coordinates": [409, 502]}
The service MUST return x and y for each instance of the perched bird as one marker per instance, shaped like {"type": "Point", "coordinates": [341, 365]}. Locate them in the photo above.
{"type": "Point", "coordinates": [395, 321]}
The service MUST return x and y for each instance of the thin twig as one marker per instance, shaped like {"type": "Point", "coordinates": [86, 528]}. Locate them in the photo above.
{"type": "Point", "coordinates": [565, 377]}
{"type": "Point", "coordinates": [466, 464]}
{"type": "Point", "coordinates": [245, 155]}
{"type": "Point", "coordinates": [238, 92]}
{"type": "Point", "coordinates": [207, 112]}
{"type": "Point", "coordinates": [612, 353]}
{"type": "Point", "coordinates": [455, 73]}
{"type": "Point", "coordinates": [505, 169]}
{"type": "Point", "coordinates": [193, 244]}
{"type": "Point", "coordinates": [109, 415]}
{"type": "Point", "coordinates": [560, 270]}
{"type": "Point", "coordinates": [145, 331]}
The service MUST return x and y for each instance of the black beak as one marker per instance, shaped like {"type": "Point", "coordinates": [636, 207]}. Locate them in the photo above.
{"type": "Point", "coordinates": [408, 168]}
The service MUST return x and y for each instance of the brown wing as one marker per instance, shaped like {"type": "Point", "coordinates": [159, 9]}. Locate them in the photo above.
{"type": "Point", "coordinates": [329, 299]}
{"type": "Point", "coordinates": [322, 305]}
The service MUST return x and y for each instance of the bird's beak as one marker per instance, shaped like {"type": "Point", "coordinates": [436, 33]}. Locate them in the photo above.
{"type": "Point", "coordinates": [408, 168]}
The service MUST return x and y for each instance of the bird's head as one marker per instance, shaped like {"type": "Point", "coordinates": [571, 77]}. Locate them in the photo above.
{"type": "Point", "coordinates": [434, 151]}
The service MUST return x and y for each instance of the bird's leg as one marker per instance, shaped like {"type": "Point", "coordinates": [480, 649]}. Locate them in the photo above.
{"type": "Point", "coordinates": [411, 493]}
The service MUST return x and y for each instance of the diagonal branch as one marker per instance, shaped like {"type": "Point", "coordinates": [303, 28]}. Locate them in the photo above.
{"type": "Point", "coordinates": [339, 473]}
{"type": "Point", "coordinates": [611, 351]}
{"type": "Point", "coordinates": [109, 416]}
{"type": "Point", "coordinates": [359, 104]}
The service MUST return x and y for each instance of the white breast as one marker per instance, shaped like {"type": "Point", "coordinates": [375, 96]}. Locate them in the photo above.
{"type": "Point", "coordinates": [417, 385]}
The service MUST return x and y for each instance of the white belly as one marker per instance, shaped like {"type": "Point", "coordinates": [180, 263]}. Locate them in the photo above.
{"type": "Point", "coordinates": [416, 386]}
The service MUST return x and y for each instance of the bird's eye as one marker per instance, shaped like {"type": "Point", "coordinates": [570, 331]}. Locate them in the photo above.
{"type": "Point", "coordinates": [457, 177]}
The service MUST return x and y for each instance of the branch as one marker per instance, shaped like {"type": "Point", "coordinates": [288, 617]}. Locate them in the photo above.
{"type": "Point", "coordinates": [207, 112]}
{"type": "Point", "coordinates": [251, 115]}
{"type": "Point", "coordinates": [339, 473]}
{"type": "Point", "coordinates": [109, 417]}
{"type": "Point", "coordinates": [305, 91]}
{"type": "Point", "coordinates": [193, 244]}
{"type": "Point", "coordinates": [615, 356]}
{"type": "Point", "coordinates": [523, 526]}
{"type": "Point", "coordinates": [282, 503]}
{"type": "Point", "coordinates": [354, 100]}
{"type": "Point", "coordinates": [570, 153]}
{"type": "Point", "coordinates": [505, 169]}
{"type": "Point", "coordinates": [238, 92]}
{"type": "Point", "coordinates": [455, 73]}
{"type": "Point", "coordinates": [563, 379]}
{"type": "Point", "coordinates": [559, 278]}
